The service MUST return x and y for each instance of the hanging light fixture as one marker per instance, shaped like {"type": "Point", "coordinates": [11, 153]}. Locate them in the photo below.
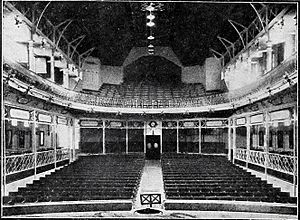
{"type": "Point", "coordinates": [150, 24]}
{"type": "Point", "coordinates": [151, 37]}
{"type": "Point", "coordinates": [151, 17]}
{"type": "Point", "coordinates": [151, 7]}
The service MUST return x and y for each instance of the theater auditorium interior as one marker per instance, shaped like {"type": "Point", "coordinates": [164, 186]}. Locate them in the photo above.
{"type": "Point", "coordinates": [149, 109]}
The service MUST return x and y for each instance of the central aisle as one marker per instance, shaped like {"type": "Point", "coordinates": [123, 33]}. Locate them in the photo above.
{"type": "Point", "coordinates": [151, 182]}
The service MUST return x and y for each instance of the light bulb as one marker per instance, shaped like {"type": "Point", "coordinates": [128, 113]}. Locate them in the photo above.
{"type": "Point", "coordinates": [150, 24]}
{"type": "Point", "coordinates": [150, 7]}
{"type": "Point", "coordinates": [150, 37]}
{"type": "Point", "coordinates": [150, 17]}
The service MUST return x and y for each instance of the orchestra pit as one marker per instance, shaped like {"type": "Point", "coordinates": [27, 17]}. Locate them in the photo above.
{"type": "Point", "coordinates": [149, 109]}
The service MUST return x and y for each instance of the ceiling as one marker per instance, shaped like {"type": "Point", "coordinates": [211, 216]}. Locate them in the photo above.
{"type": "Point", "coordinates": [113, 28]}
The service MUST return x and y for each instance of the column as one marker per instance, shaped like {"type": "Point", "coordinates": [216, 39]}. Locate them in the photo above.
{"type": "Point", "coordinates": [199, 136]}
{"type": "Point", "coordinates": [34, 141]}
{"type": "Point", "coordinates": [266, 143]}
{"type": "Point", "coordinates": [54, 140]}
{"type": "Point", "coordinates": [295, 151]}
{"type": "Point", "coordinates": [126, 138]}
{"type": "Point", "coordinates": [52, 62]}
{"type": "Point", "coordinates": [145, 128]}
{"type": "Point", "coordinates": [289, 44]}
{"type": "Point", "coordinates": [234, 143]}
{"type": "Point", "coordinates": [269, 56]}
{"type": "Point", "coordinates": [248, 142]}
{"type": "Point", "coordinates": [70, 140]}
{"type": "Point", "coordinates": [161, 144]}
{"type": "Point", "coordinates": [177, 137]}
{"type": "Point", "coordinates": [3, 155]}
{"type": "Point", "coordinates": [73, 139]}
{"type": "Point", "coordinates": [103, 142]}
{"type": "Point", "coordinates": [31, 59]}
{"type": "Point", "coordinates": [229, 142]}
{"type": "Point", "coordinates": [66, 78]}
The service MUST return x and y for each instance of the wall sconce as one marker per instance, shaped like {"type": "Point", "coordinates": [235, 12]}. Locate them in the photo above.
{"type": "Point", "coordinates": [281, 23]}
{"type": "Point", "coordinates": [27, 91]}
{"type": "Point", "coordinates": [233, 106]}
{"type": "Point", "coordinates": [269, 91]}
{"type": "Point", "coordinates": [18, 21]}
{"type": "Point", "coordinates": [11, 74]}
{"type": "Point", "coordinates": [43, 43]}
{"type": "Point", "coordinates": [287, 79]}
{"type": "Point", "coordinates": [23, 100]}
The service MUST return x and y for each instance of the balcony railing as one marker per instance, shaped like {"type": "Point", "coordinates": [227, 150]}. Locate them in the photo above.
{"type": "Point", "coordinates": [282, 163]}
{"type": "Point", "coordinates": [67, 96]}
{"type": "Point", "coordinates": [18, 163]}
{"type": "Point", "coordinates": [23, 162]}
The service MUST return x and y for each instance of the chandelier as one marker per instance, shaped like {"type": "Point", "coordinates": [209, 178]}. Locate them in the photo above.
{"type": "Point", "coordinates": [150, 8]}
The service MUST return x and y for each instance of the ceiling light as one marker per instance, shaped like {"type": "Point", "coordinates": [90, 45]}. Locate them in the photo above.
{"type": "Point", "coordinates": [150, 24]}
{"type": "Point", "coordinates": [150, 7]}
{"type": "Point", "coordinates": [150, 37]}
{"type": "Point", "coordinates": [150, 46]}
{"type": "Point", "coordinates": [150, 17]}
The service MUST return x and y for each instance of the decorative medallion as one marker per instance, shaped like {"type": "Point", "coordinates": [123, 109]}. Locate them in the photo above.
{"type": "Point", "coordinates": [152, 124]}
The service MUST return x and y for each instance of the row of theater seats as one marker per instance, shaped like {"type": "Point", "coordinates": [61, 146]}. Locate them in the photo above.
{"type": "Point", "coordinates": [151, 92]}
{"type": "Point", "coordinates": [106, 177]}
{"type": "Point", "coordinates": [196, 177]}
{"type": "Point", "coordinates": [126, 95]}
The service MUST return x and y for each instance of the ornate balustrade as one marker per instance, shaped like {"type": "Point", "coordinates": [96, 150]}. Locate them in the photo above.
{"type": "Point", "coordinates": [62, 154]}
{"type": "Point", "coordinates": [257, 157]}
{"type": "Point", "coordinates": [23, 162]}
{"type": "Point", "coordinates": [241, 154]}
{"type": "Point", "coordinates": [66, 95]}
{"type": "Point", "coordinates": [45, 157]}
{"type": "Point", "coordinates": [282, 163]}
{"type": "Point", "coordinates": [18, 163]}
{"type": "Point", "coordinates": [278, 162]}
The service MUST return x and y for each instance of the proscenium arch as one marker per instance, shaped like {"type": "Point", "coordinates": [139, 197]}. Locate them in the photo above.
{"type": "Point", "coordinates": [138, 52]}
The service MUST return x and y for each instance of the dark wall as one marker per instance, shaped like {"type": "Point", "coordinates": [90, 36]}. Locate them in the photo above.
{"type": "Point", "coordinates": [152, 69]}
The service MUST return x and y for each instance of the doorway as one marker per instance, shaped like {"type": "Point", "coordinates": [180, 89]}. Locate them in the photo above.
{"type": "Point", "coordinates": [153, 147]}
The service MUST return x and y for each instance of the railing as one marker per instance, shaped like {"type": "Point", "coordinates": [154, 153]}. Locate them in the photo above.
{"type": "Point", "coordinates": [257, 157]}
{"type": "Point", "coordinates": [23, 162]}
{"type": "Point", "coordinates": [45, 158]}
{"type": "Point", "coordinates": [241, 154]}
{"type": "Point", "coordinates": [18, 163]}
{"type": "Point", "coordinates": [62, 154]}
{"type": "Point", "coordinates": [66, 95]}
{"type": "Point", "coordinates": [278, 162]}
{"type": "Point", "coordinates": [282, 163]}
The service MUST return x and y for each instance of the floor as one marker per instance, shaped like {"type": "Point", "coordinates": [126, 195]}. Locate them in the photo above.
{"type": "Point", "coordinates": [151, 182]}
{"type": "Point", "coordinates": [178, 214]}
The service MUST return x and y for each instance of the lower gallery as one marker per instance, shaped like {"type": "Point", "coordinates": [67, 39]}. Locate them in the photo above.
{"type": "Point", "coordinates": [154, 136]}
